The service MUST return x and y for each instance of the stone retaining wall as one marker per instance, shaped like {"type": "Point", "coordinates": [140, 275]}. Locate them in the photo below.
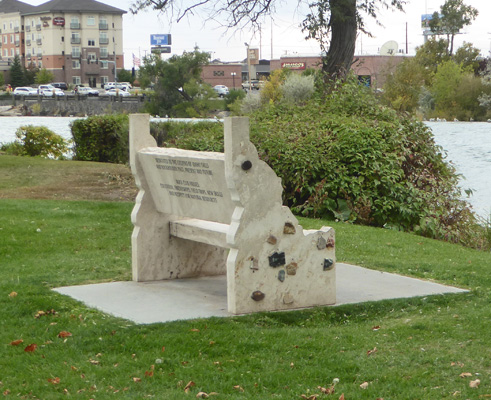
{"type": "Point", "coordinates": [76, 106]}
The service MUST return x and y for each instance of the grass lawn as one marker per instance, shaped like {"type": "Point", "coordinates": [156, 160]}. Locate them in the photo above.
{"type": "Point", "coordinates": [53, 347]}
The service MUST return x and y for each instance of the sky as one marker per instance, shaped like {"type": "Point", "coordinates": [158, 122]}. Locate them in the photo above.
{"type": "Point", "coordinates": [282, 35]}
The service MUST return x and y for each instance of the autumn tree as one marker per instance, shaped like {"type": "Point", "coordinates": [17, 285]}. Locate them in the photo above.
{"type": "Point", "coordinates": [453, 16]}
{"type": "Point", "coordinates": [333, 23]}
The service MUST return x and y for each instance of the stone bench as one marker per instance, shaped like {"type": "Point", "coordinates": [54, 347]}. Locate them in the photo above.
{"type": "Point", "coordinates": [204, 214]}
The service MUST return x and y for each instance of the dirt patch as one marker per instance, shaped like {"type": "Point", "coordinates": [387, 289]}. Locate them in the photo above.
{"type": "Point", "coordinates": [27, 178]}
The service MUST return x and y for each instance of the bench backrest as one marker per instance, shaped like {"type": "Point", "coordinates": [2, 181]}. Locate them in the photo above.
{"type": "Point", "coordinates": [188, 184]}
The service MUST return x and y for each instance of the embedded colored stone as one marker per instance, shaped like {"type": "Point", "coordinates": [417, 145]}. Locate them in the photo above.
{"type": "Point", "coordinates": [246, 165]}
{"type": "Point", "coordinates": [291, 269]}
{"type": "Point", "coordinates": [289, 229]}
{"type": "Point", "coordinates": [272, 239]}
{"type": "Point", "coordinates": [281, 275]}
{"type": "Point", "coordinates": [288, 298]}
{"type": "Point", "coordinates": [277, 260]}
{"type": "Point", "coordinates": [321, 243]}
{"type": "Point", "coordinates": [258, 295]}
{"type": "Point", "coordinates": [253, 263]}
{"type": "Point", "coordinates": [330, 243]}
{"type": "Point", "coordinates": [328, 264]}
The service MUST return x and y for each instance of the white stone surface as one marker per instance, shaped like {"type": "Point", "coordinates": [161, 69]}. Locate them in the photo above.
{"type": "Point", "coordinates": [272, 263]}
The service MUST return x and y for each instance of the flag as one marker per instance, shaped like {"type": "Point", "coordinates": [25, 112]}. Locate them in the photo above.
{"type": "Point", "coordinates": [136, 61]}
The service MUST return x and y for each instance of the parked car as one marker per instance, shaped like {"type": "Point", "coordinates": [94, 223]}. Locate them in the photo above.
{"type": "Point", "coordinates": [51, 92]}
{"type": "Point", "coordinates": [60, 85]}
{"type": "Point", "coordinates": [25, 91]}
{"type": "Point", "coordinates": [87, 91]}
{"type": "Point", "coordinates": [109, 85]}
{"type": "Point", "coordinates": [255, 84]}
{"type": "Point", "coordinates": [117, 92]}
{"type": "Point", "coordinates": [221, 90]}
{"type": "Point", "coordinates": [123, 86]}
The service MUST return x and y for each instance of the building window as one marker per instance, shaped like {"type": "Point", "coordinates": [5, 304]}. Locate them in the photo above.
{"type": "Point", "coordinates": [4, 26]}
{"type": "Point", "coordinates": [103, 52]}
{"type": "Point", "coordinates": [76, 80]}
{"type": "Point", "coordinates": [40, 64]}
{"type": "Point", "coordinates": [11, 52]}
{"type": "Point", "coordinates": [17, 52]}
{"type": "Point", "coordinates": [74, 23]}
{"type": "Point", "coordinates": [76, 64]}
{"type": "Point", "coordinates": [91, 21]}
{"type": "Point", "coordinates": [103, 23]}
{"type": "Point", "coordinates": [75, 51]}
{"type": "Point", "coordinates": [11, 39]}
{"type": "Point", "coordinates": [218, 73]}
{"type": "Point", "coordinates": [104, 64]}
{"type": "Point", "coordinates": [91, 42]}
{"type": "Point", "coordinates": [75, 38]}
{"type": "Point", "coordinates": [103, 39]}
{"type": "Point", "coordinates": [5, 52]}
{"type": "Point", "coordinates": [5, 39]}
{"type": "Point", "coordinates": [91, 57]}
{"type": "Point", "coordinates": [11, 25]}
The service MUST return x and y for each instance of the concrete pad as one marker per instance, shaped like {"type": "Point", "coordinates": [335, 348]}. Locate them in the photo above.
{"type": "Point", "coordinates": [164, 301]}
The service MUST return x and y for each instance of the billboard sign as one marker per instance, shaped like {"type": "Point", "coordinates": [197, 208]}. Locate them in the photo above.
{"type": "Point", "coordinates": [293, 65]}
{"type": "Point", "coordinates": [160, 50]}
{"type": "Point", "coordinates": [160, 40]}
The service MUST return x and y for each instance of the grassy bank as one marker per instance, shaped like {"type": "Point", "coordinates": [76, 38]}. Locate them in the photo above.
{"type": "Point", "coordinates": [405, 349]}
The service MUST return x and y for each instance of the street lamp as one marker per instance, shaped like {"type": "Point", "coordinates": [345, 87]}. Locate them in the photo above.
{"type": "Point", "coordinates": [233, 77]}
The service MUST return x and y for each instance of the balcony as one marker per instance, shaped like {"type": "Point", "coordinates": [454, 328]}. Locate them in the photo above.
{"type": "Point", "coordinates": [28, 56]}
{"type": "Point", "coordinates": [17, 43]}
{"type": "Point", "coordinates": [103, 40]}
{"type": "Point", "coordinates": [103, 55]}
{"type": "Point", "coordinates": [75, 54]}
{"type": "Point", "coordinates": [16, 29]}
{"type": "Point", "coordinates": [28, 28]}
{"type": "Point", "coordinates": [28, 42]}
{"type": "Point", "coordinates": [39, 55]}
{"type": "Point", "coordinates": [39, 41]}
{"type": "Point", "coordinates": [38, 27]}
{"type": "Point", "coordinates": [75, 40]}
{"type": "Point", "coordinates": [74, 25]}
{"type": "Point", "coordinates": [103, 26]}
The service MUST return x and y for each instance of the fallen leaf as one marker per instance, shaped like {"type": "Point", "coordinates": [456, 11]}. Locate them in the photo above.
{"type": "Point", "coordinates": [202, 395]}
{"type": "Point", "coordinates": [312, 397]}
{"type": "Point", "coordinates": [12, 294]}
{"type": "Point", "coordinates": [31, 348]}
{"type": "Point", "coordinates": [239, 388]}
{"type": "Point", "coordinates": [163, 349]}
{"type": "Point", "coordinates": [54, 381]}
{"type": "Point", "coordinates": [465, 374]}
{"type": "Point", "coordinates": [364, 385]}
{"type": "Point", "coordinates": [194, 330]}
{"type": "Point", "coordinates": [329, 390]}
{"type": "Point", "coordinates": [341, 397]}
{"type": "Point", "coordinates": [474, 384]}
{"type": "Point", "coordinates": [6, 392]}
{"type": "Point", "coordinates": [94, 362]}
{"type": "Point", "coordinates": [189, 386]}
{"type": "Point", "coordinates": [376, 328]}
{"type": "Point", "coordinates": [373, 351]}
{"type": "Point", "coordinates": [16, 342]}
{"type": "Point", "coordinates": [136, 379]}
{"type": "Point", "coordinates": [64, 334]}
{"type": "Point", "coordinates": [149, 373]}
{"type": "Point", "coordinates": [212, 343]}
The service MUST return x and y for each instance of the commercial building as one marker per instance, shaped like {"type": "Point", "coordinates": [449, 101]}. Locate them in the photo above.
{"type": "Point", "coordinates": [80, 42]}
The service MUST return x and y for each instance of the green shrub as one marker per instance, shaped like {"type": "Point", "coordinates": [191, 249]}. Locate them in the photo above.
{"type": "Point", "coordinates": [101, 138]}
{"type": "Point", "coordinates": [343, 156]}
{"type": "Point", "coordinates": [297, 89]}
{"type": "Point", "coordinates": [37, 141]}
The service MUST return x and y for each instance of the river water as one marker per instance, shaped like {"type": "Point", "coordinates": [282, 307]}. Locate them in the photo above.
{"type": "Point", "coordinates": [467, 144]}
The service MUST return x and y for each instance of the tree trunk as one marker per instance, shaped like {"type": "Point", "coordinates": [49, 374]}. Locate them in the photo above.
{"type": "Point", "coordinates": [343, 24]}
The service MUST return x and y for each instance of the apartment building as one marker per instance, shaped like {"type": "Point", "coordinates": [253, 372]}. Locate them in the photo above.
{"type": "Point", "coordinates": [80, 42]}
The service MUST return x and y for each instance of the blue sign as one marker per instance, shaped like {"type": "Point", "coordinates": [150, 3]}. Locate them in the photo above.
{"type": "Point", "coordinates": [160, 40]}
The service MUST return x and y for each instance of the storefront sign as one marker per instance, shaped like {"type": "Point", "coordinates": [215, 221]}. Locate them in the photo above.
{"type": "Point", "coordinates": [293, 65]}
{"type": "Point", "coordinates": [59, 21]}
